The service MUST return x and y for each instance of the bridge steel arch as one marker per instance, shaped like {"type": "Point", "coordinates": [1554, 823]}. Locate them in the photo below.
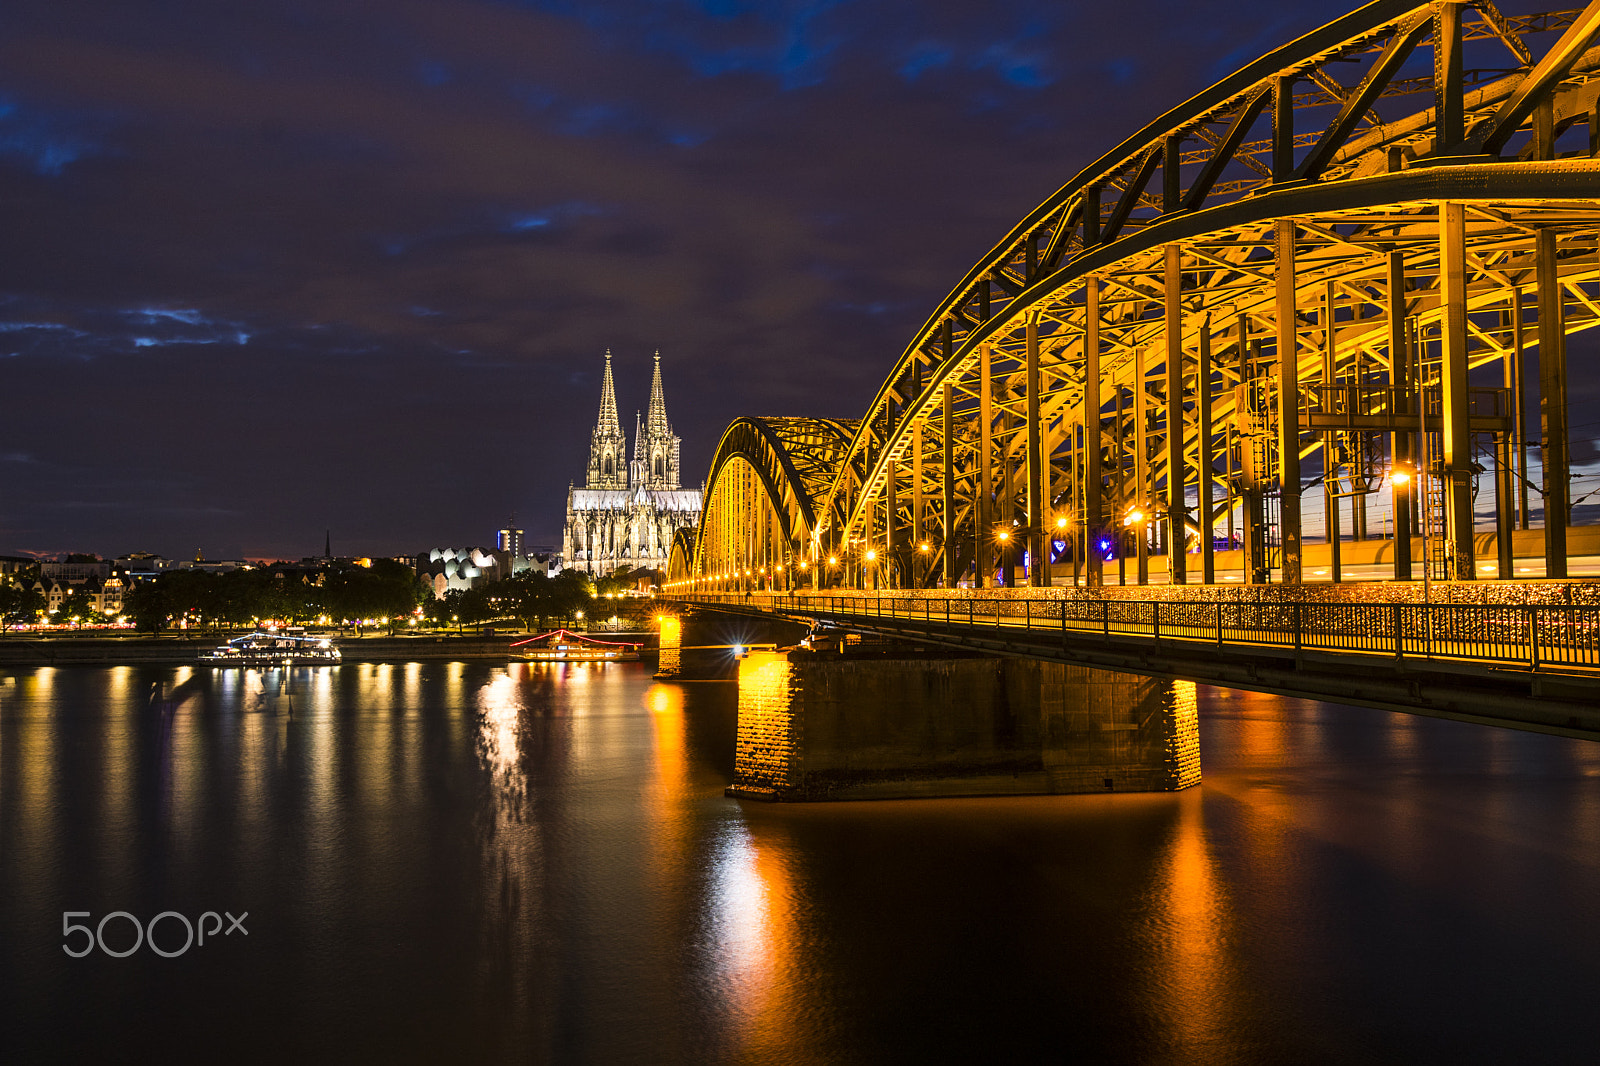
{"type": "Point", "coordinates": [760, 512]}
{"type": "Point", "coordinates": [1362, 249]}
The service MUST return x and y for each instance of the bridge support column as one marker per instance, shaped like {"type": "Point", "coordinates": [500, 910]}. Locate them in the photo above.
{"type": "Point", "coordinates": [983, 535]}
{"type": "Point", "coordinates": [919, 535]}
{"type": "Point", "coordinates": [1141, 465]}
{"type": "Point", "coordinates": [1093, 505]}
{"type": "Point", "coordinates": [1519, 401]}
{"type": "Point", "coordinates": [890, 563]}
{"type": "Point", "coordinates": [1457, 437]}
{"type": "Point", "coordinates": [1288, 401]}
{"type": "Point", "coordinates": [1038, 473]}
{"type": "Point", "coordinates": [948, 489]}
{"type": "Point", "coordinates": [820, 727]}
{"type": "Point", "coordinates": [1331, 440]}
{"type": "Point", "coordinates": [1552, 404]}
{"type": "Point", "coordinates": [671, 645]}
{"type": "Point", "coordinates": [1206, 474]}
{"type": "Point", "coordinates": [1177, 474]}
{"type": "Point", "coordinates": [1400, 440]}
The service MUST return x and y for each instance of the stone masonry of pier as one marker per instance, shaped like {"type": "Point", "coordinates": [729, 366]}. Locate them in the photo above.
{"type": "Point", "coordinates": [821, 727]}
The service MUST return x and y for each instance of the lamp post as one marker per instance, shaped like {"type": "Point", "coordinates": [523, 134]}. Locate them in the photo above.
{"type": "Point", "coordinates": [1135, 522]}
{"type": "Point", "coordinates": [1062, 530]}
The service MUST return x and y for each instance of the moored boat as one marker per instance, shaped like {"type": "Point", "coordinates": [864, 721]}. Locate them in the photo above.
{"type": "Point", "coordinates": [271, 649]}
{"type": "Point", "coordinates": [563, 645]}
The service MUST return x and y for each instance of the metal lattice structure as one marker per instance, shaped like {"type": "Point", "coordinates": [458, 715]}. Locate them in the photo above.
{"type": "Point", "coordinates": [769, 478]}
{"type": "Point", "coordinates": [1327, 272]}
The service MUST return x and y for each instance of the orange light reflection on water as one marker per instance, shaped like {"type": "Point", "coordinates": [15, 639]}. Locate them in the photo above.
{"type": "Point", "coordinates": [757, 938]}
{"type": "Point", "coordinates": [1192, 932]}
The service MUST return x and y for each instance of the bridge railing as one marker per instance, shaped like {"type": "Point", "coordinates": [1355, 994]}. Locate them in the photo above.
{"type": "Point", "coordinates": [1532, 636]}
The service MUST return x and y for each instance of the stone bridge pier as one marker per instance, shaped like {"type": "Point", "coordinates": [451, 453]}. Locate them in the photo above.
{"type": "Point", "coordinates": [893, 722]}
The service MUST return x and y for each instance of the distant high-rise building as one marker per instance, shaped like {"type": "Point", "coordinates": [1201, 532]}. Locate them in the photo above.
{"type": "Point", "coordinates": [510, 540]}
{"type": "Point", "coordinates": [626, 513]}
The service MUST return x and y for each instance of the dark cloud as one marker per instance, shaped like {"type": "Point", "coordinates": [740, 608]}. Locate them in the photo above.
{"type": "Point", "coordinates": [277, 267]}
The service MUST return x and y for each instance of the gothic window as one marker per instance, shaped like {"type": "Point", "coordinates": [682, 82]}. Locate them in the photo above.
{"type": "Point", "coordinates": [660, 467]}
{"type": "Point", "coordinates": [608, 466]}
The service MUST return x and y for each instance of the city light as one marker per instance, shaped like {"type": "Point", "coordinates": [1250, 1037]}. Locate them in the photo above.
{"type": "Point", "coordinates": [1003, 535]}
{"type": "Point", "coordinates": [871, 555]}
{"type": "Point", "coordinates": [923, 547]}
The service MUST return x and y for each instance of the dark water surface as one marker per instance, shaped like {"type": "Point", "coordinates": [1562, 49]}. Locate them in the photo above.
{"type": "Point", "coordinates": [465, 862]}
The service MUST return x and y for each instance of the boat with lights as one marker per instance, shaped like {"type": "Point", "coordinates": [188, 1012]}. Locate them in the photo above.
{"type": "Point", "coordinates": [565, 646]}
{"type": "Point", "coordinates": [273, 649]}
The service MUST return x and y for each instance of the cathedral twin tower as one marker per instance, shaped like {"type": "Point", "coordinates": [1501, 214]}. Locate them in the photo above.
{"type": "Point", "coordinates": [625, 515]}
{"type": "Point", "coordinates": [655, 449]}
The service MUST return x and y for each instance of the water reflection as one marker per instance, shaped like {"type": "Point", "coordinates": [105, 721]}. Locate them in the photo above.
{"type": "Point", "coordinates": [1192, 932]}
{"type": "Point", "coordinates": [477, 862]}
{"type": "Point", "coordinates": [499, 710]}
{"type": "Point", "coordinates": [757, 943]}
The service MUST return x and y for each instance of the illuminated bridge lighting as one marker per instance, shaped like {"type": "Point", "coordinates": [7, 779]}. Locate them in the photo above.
{"type": "Point", "coordinates": [1224, 304]}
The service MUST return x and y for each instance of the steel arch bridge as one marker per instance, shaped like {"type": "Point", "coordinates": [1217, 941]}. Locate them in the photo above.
{"type": "Point", "coordinates": [1317, 290]}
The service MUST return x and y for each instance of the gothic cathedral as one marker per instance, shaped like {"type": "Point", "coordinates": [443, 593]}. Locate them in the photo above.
{"type": "Point", "coordinates": [626, 513]}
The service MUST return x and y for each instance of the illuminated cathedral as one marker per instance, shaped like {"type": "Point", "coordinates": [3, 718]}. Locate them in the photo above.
{"type": "Point", "coordinates": [624, 516]}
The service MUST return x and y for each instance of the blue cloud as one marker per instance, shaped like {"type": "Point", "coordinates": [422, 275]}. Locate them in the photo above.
{"type": "Point", "coordinates": [189, 317]}
{"type": "Point", "coordinates": [926, 57]}
{"type": "Point", "coordinates": [42, 140]}
{"type": "Point", "coordinates": [544, 218]}
{"type": "Point", "coordinates": [22, 327]}
{"type": "Point", "coordinates": [776, 38]}
{"type": "Point", "coordinates": [433, 73]}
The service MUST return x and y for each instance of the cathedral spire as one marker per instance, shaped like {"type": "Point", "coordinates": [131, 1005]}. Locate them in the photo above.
{"type": "Point", "coordinates": [660, 448]}
{"type": "Point", "coordinates": [608, 424]}
{"type": "Point", "coordinates": [608, 462]}
{"type": "Point", "coordinates": [658, 404]}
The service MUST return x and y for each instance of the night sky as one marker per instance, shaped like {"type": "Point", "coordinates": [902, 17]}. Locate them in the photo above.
{"type": "Point", "coordinates": [271, 268]}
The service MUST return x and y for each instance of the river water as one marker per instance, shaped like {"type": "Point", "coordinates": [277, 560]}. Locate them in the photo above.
{"type": "Point", "coordinates": [451, 862]}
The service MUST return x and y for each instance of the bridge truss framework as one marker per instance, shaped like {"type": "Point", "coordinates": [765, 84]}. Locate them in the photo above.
{"type": "Point", "coordinates": [1111, 380]}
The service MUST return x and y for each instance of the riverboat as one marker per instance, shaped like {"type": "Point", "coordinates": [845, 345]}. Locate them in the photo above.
{"type": "Point", "coordinates": [565, 646]}
{"type": "Point", "coordinates": [272, 649]}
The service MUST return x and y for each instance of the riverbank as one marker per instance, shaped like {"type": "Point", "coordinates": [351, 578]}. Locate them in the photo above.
{"type": "Point", "coordinates": [97, 650]}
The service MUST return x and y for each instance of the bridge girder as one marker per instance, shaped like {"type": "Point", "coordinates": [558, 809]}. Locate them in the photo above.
{"type": "Point", "coordinates": [1399, 253]}
{"type": "Point", "coordinates": [761, 497]}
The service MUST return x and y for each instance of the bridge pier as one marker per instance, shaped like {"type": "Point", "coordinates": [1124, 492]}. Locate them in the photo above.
{"type": "Point", "coordinates": [904, 723]}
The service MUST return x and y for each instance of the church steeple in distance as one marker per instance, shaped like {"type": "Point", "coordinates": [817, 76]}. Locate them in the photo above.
{"type": "Point", "coordinates": [636, 469]}
{"type": "Point", "coordinates": [658, 403]}
{"type": "Point", "coordinates": [608, 402]}
{"type": "Point", "coordinates": [660, 445]}
{"type": "Point", "coordinates": [608, 464]}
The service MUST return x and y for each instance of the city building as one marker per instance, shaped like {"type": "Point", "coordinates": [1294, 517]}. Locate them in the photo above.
{"type": "Point", "coordinates": [140, 566]}
{"type": "Point", "coordinates": [76, 569]}
{"type": "Point", "coordinates": [624, 516]}
{"type": "Point", "coordinates": [510, 539]}
{"type": "Point", "coordinates": [13, 565]}
{"type": "Point", "coordinates": [444, 569]}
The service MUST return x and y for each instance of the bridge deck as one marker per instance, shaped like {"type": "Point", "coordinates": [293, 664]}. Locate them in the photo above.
{"type": "Point", "coordinates": [1525, 665]}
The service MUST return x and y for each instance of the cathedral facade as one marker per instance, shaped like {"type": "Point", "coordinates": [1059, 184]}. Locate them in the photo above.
{"type": "Point", "coordinates": [624, 516]}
